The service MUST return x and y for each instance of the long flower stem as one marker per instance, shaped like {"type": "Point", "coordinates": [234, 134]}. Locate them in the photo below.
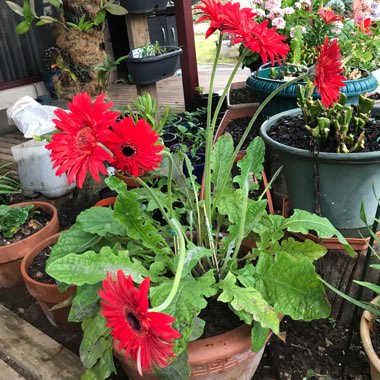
{"type": "Point", "coordinates": [178, 273]}
{"type": "Point", "coordinates": [170, 177]}
{"type": "Point", "coordinates": [155, 198]}
{"type": "Point", "coordinates": [249, 127]}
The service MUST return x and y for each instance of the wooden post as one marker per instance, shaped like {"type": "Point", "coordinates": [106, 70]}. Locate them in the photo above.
{"type": "Point", "coordinates": [138, 35]}
{"type": "Point", "coordinates": [185, 31]}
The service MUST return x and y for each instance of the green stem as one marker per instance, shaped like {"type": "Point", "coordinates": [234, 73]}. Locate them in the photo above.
{"type": "Point", "coordinates": [170, 176]}
{"type": "Point", "coordinates": [248, 129]}
{"type": "Point", "coordinates": [158, 202]}
{"type": "Point", "coordinates": [178, 273]}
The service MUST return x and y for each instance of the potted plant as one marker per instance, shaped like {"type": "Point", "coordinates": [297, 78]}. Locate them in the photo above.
{"type": "Point", "coordinates": [23, 225]}
{"type": "Point", "coordinates": [43, 288]}
{"type": "Point", "coordinates": [190, 259]}
{"type": "Point", "coordinates": [151, 63]}
{"type": "Point", "coordinates": [336, 163]}
{"type": "Point", "coordinates": [241, 96]}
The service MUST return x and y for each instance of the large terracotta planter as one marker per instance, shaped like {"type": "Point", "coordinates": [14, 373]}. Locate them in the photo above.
{"type": "Point", "coordinates": [12, 254]}
{"type": "Point", "coordinates": [238, 113]}
{"type": "Point", "coordinates": [226, 356]}
{"type": "Point", "coordinates": [365, 336]}
{"type": "Point", "coordinates": [48, 295]}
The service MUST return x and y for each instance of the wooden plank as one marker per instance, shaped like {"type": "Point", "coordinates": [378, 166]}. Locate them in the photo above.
{"type": "Point", "coordinates": [34, 351]}
{"type": "Point", "coordinates": [6, 157]}
{"type": "Point", "coordinates": [8, 373]}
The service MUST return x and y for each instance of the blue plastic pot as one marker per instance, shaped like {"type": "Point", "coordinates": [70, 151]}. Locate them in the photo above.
{"type": "Point", "coordinates": [286, 99]}
{"type": "Point", "coordinates": [197, 168]}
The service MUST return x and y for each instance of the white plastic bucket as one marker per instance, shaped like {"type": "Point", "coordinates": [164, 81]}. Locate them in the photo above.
{"type": "Point", "coordinates": [35, 171]}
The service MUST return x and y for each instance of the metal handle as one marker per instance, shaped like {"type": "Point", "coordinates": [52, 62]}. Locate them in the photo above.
{"type": "Point", "coordinates": [173, 32]}
{"type": "Point", "coordinates": [163, 34]}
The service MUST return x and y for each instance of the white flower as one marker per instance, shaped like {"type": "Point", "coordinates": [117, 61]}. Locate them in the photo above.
{"type": "Point", "coordinates": [297, 5]}
{"type": "Point", "coordinates": [260, 12]}
{"type": "Point", "coordinates": [279, 22]}
{"type": "Point", "coordinates": [288, 10]}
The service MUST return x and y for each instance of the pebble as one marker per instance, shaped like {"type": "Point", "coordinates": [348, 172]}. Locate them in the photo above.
{"type": "Point", "coordinates": [21, 310]}
{"type": "Point", "coordinates": [321, 349]}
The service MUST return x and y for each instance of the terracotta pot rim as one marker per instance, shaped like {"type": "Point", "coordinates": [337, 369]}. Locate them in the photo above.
{"type": "Point", "coordinates": [24, 267]}
{"type": "Point", "coordinates": [366, 337]}
{"type": "Point", "coordinates": [48, 207]}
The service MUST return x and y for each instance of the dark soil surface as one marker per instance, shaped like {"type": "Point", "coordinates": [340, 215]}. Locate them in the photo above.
{"type": "Point", "coordinates": [39, 219]}
{"type": "Point", "coordinates": [242, 96]}
{"type": "Point", "coordinates": [36, 270]}
{"type": "Point", "coordinates": [237, 128]}
{"type": "Point", "coordinates": [316, 346]}
{"type": "Point", "coordinates": [290, 131]}
{"type": "Point", "coordinates": [374, 96]}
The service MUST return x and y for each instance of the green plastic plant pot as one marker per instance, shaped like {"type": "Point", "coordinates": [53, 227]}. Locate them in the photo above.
{"type": "Point", "coordinates": [345, 181]}
{"type": "Point", "coordinates": [286, 99]}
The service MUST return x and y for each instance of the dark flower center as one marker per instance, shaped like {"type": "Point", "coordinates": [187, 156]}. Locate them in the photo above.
{"type": "Point", "coordinates": [133, 321]}
{"type": "Point", "coordinates": [128, 150]}
{"type": "Point", "coordinates": [85, 139]}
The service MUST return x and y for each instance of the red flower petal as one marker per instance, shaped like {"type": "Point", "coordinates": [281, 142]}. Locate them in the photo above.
{"type": "Point", "coordinates": [328, 70]}
{"type": "Point", "coordinates": [145, 336]}
{"type": "Point", "coordinates": [329, 16]}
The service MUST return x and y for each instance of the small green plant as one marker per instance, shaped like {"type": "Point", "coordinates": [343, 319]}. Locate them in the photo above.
{"type": "Point", "coordinates": [105, 69]}
{"type": "Point", "coordinates": [310, 374]}
{"type": "Point", "coordinates": [12, 218]}
{"type": "Point", "coordinates": [83, 24]}
{"type": "Point", "coordinates": [150, 50]}
{"type": "Point", "coordinates": [147, 109]}
{"type": "Point", "coordinates": [338, 120]}
{"type": "Point", "coordinates": [332, 322]}
{"type": "Point", "coordinates": [7, 184]}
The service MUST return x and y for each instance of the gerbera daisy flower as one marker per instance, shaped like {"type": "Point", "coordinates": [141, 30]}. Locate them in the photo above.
{"type": "Point", "coordinates": [329, 16]}
{"type": "Point", "coordinates": [134, 147]}
{"type": "Point", "coordinates": [146, 337]}
{"type": "Point", "coordinates": [76, 149]}
{"type": "Point", "coordinates": [212, 11]}
{"type": "Point", "coordinates": [326, 73]}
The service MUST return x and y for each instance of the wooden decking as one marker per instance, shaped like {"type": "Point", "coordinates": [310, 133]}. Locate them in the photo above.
{"type": "Point", "coordinates": [26, 352]}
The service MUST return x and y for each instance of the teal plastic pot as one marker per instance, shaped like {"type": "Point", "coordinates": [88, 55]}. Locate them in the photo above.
{"type": "Point", "coordinates": [286, 99]}
{"type": "Point", "coordinates": [346, 180]}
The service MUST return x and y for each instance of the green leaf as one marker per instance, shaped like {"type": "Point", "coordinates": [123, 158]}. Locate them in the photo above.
{"type": "Point", "coordinates": [198, 329]}
{"type": "Point", "coordinates": [116, 10]}
{"type": "Point", "coordinates": [221, 155]}
{"type": "Point", "coordinates": [72, 241]}
{"type": "Point", "coordinates": [48, 19]}
{"type": "Point", "coordinates": [230, 204]}
{"type": "Point", "coordinates": [252, 163]}
{"type": "Point", "coordinates": [259, 336]}
{"type": "Point", "coordinates": [305, 248]}
{"type": "Point", "coordinates": [100, 221]}
{"type": "Point", "coordinates": [248, 304]}
{"type": "Point", "coordinates": [100, 17]}
{"type": "Point", "coordinates": [127, 211]}
{"type": "Point", "coordinates": [291, 285]}
{"type": "Point", "coordinates": [23, 27]}
{"type": "Point", "coordinates": [55, 3]}
{"type": "Point", "coordinates": [193, 255]}
{"type": "Point", "coordinates": [178, 369]}
{"type": "Point", "coordinates": [85, 303]}
{"type": "Point", "coordinates": [33, 8]}
{"type": "Point", "coordinates": [91, 267]}
{"type": "Point", "coordinates": [375, 288]}
{"type": "Point", "coordinates": [15, 8]}
{"type": "Point", "coordinates": [27, 12]}
{"type": "Point", "coordinates": [187, 304]}
{"type": "Point", "coordinates": [303, 222]}
{"type": "Point", "coordinates": [96, 340]}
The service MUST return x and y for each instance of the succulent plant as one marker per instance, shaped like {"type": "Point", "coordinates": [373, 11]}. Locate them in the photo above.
{"type": "Point", "coordinates": [338, 6]}
{"type": "Point", "coordinates": [341, 120]}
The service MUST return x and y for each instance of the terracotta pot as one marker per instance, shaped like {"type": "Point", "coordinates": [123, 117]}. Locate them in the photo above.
{"type": "Point", "coordinates": [223, 357]}
{"type": "Point", "coordinates": [12, 254]}
{"type": "Point", "coordinates": [131, 181]}
{"type": "Point", "coordinates": [238, 113]}
{"type": "Point", "coordinates": [365, 336]}
{"type": "Point", "coordinates": [48, 295]}
{"type": "Point", "coordinates": [236, 86]}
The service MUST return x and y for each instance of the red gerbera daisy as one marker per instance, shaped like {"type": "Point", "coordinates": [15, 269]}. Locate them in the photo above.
{"type": "Point", "coordinates": [327, 72]}
{"type": "Point", "coordinates": [145, 336]}
{"type": "Point", "coordinates": [76, 150]}
{"type": "Point", "coordinates": [134, 147]}
{"type": "Point", "coordinates": [211, 10]}
{"type": "Point", "coordinates": [329, 16]}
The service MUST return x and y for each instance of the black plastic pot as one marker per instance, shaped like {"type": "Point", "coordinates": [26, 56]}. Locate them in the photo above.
{"type": "Point", "coordinates": [48, 79]}
{"type": "Point", "coordinates": [169, 139]}
{"type": "Point", "coordinates": [152, 69]}
{"type": "Point", "coordinates": [143, 6]}
{"type": "Point", "coordinates": [201, 101]}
